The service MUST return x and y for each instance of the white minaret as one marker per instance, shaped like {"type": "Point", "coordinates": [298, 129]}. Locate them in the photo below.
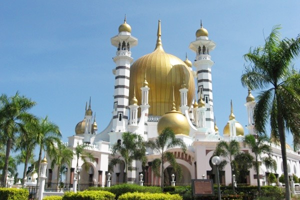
{"type": "Point", "coordinates": [88, 121]}
{"type": "Point", "coordinates": [250, 104]}
{"type": "Point", "coordinates": [183, 98]}
{"type": "Point", "coordinates": [203, 63]}
{"type": "Point", "coordinates": [124, 42]}
{"type": "Point", "coordinates": [133, 111]}
{"type": "Point", "coordinates": [145, 99]}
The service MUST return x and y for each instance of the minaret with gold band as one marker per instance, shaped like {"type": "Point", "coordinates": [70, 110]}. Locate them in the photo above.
{"type": "Point", "coordinates": [203, 63]}
{"type": "Point", "coordinates": [124, 42]}
{"type": "Point", "coordinates": [250, 104]}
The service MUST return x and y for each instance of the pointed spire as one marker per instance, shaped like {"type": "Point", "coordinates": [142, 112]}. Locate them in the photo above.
{"type": "Point", "coordinates": [231, 116]}
{"type": "Point", "coordinates": [95, 117]}
{"type": "Point", "coordinates": [134, 100]}
{"type": "Point", "coordinates": [158, 42]}
{"type": "Point", "coordinates": [201, 25]}
{"type": "Point", "coordinates": [145, 80]}
{"type": "Point", "coordinates": [90, 103]}
{"type": "Point", "coordinates": [125, 19]}
{"type": "Point", "coordinates": [195, 102]}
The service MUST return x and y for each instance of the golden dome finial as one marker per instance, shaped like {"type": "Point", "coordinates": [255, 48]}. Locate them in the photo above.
{"type": "Point", "coordinates": [125, 19]}
{"type": "Point", "coordinates": [201, 31]}
{"type": "Point", "coordinates": [145, 80]}
{"type": "Point", "coordinates": [195, 105]}
{"type": "Point", "coordinates": [125, 27]}
{"type": "Point", "coordinates": [44, 160]}
{"type": "Point", "coordinates": [158, 41]}
{"type": "Point", "coordinates": [216, 127]}
{"type": "Point", "coordinates": [134, 100]}
{"type": "Point", "coordinates": [187, 61]}
{"type": "Point", "coordinates": [231, 116]}
{"type": "Point", "coordinates": [174, 105]}
{"type": "Point", "coordinates": [90, 103]}
{"type": "Point", "coordinates": [201, 25]}
{"type": "Point", "coordinates": [183, 85]}
{"type": "Point", "coordinates": [250, 97]}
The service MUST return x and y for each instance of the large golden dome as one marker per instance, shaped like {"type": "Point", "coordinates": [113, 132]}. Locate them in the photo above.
{"type": "Point", "coordinates": [163, 71]}
{"type": "Point", "coordinates": [174, 120]}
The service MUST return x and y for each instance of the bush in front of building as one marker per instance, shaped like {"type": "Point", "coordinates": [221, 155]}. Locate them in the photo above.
{"type": "Point", "coordinates": [149, 196]}
{"type": "Point", "coordinates": [89, 195]}
{"type": "Point", "coordinates": [52, 198]}
{"type": "Point", "coordinates": [125, 188]}
{"type": "Point", "coordinates": [13, 194]}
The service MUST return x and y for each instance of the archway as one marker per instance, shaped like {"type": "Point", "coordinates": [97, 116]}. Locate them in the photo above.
{"type": "Point", "coordinates": [185, 177]}
{"type": "Point", "coordinates": [86, 176]}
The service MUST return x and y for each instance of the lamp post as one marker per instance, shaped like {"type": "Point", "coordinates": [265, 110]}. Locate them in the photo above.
{"type": "Point", "coordinates": [141, 179]}
{"type": "Point", "coordinates": [78, 176]}
{"type": "Point", "coordinates": [42, 178]}
{"type": "Point", "coordinates": [216, 161]}
{"type": "Point", "coordinates": [173, 180]}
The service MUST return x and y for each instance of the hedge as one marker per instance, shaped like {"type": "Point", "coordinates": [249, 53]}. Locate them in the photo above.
{"type": "Point", "coordinates": [13, 194]}
{"type": "Point", "coordinates": [52, 198]}
{"type": "Point", "coordinates": [125, 188]}
{"type": "Point", "coordinates": [89, 195]}
{"type": "Point", "coordinates": [149, 196]}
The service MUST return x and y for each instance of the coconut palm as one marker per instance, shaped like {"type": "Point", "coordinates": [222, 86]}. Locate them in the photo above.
{"type": "Point", "coordinates": [13, 115]}
{"type": "Point", "coordinates": [242, 163]}
{"type": "Point", "coordinates": [228, 150]}
{"type": "Point", "coordinates": [279, 101]}
{"type": "Point", "coordinates": [130, 148]}
{"type": "Point", "coordinates": [161, 144]}
{"type": "Point", "coordinates": [25, 157]}
{"type": "Point", "coordinates": [259, 145]}
{"type": "Point", "coordinates": [63, 156]}
{"type": "Point", "coordinates": [47, 137]}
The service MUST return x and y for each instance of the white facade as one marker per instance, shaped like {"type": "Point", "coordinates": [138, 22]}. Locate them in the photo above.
{"type": "Point", "coordinates": [134, 117]}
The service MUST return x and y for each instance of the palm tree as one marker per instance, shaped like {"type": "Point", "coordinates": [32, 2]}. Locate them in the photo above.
{"type": "Point", "coordinates": [13, 115]}
{"type": "Point", "coordinates": [132, 147]}
{"type": "Point", "coordinates": [63, 155]}
{"type": "Point", "coordinates": [25, 157]}
{"type": "Point", "coordinates": [228, 150]}
{"type": "Point", "coordinates": [242, 163]}
{"type": "Point", "coordinates": [259, 146]}
{"type": "Point", "coordinates": [270, 163]}
{"type": "Point", "coordinates": [162, 143]}
{"type": "Point", "coordinates": [82, 153]}
{"type": "Point", "coordinates": [279, 102]}
{"type": "Point", "coordinates": [47, 137]}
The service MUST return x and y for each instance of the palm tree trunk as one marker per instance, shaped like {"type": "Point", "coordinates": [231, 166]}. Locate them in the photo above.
{"type": "Point", "coordinates": [162, 171]}
{"type": "Point", "coordinates": [25, 165]}
{"type": "Point", "coordinates": [5, 170]}
{"type": "Point", "coordinates": [283, 152]}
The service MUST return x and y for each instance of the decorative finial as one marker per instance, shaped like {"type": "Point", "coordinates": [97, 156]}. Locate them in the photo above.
{"type": "Point", "coordinates": [158, 42]}
{"type": "Point", "coordinates": [95, 117]}
{"type": "Point", "coordinates": [231, 116]}
{"type": "Point", "coordinates": [183, 83]}
{"type": "Point", "coordinates": [174, 105]}
{"type": "Point", "coordinates": [201, 23]}
{"type": "Point", "coordinates": [125, 19]}
{"type": "Point", "coordinates": [145, 80]}
{"type": "Point", "coordinates": [86, 106]}
{"type": "Point", "coordinates": [90, 103]}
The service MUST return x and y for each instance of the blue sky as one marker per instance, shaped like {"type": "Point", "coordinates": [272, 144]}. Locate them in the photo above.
{"type": "Point", "coordinates": [58, 53]}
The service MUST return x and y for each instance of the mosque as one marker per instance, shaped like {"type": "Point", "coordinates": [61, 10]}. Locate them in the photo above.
{"type": "Point", "coordinates": [157, 91]}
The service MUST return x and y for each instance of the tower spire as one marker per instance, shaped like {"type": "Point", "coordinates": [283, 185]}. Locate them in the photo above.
{"type": "Point", "coordinates": [90, 103]}
{"type": "Point", "coordinates": [231, 116]}
{"type": "Point", "coordinates": [158, 42]}
{"type": "Point", "coordinates": [201, 25]}
{"type": "Point", "coordinates": [125, 19]}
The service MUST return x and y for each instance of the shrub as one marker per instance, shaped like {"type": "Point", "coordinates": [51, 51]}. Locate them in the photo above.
{"type": "Point", "coordinates": [272, 178]}
{"type": "Point", "coordinates": [89, 195]}
{"type": "Point", "coordinates": [281, 178]}
{"type": "Point", "coordinates": [13, 194]}
{"type": "Point", "coordinates": [124, 188]}
{"type": "Point", "coordinates": [295, 179]}
{"type": "Point", "coordinates": [149, 196]}
{"type": "Point", "coordinates": [52, 198]}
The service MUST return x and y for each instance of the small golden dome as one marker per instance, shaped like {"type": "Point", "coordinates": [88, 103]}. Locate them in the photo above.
{"type": "Point", "coordinates": [195, 105]}
{"type": "Point", "coordinates": [125, 27]}
{"type": "Point", "coordinates": [89, 112]}
{"type": "Point", "coordinates": [201, 32]}
{"type": "Point", "coordinates": [250, 97]}
{"type": "Point", "coordinates": [134, 101]}
{"type": "Point", "coordinates": [201, 103]}
{"type": "Point", "coordinates": [175, 121]}
{"type": "Point", "coordinates": [188, 62]}
{"type": "Point", "coordinates": [216, 127]}
{"type": "Point", "coordinates": [44, 160]}
{"type": "Point", "coordinates": [80, 127]}
{"type": "Point", "coordinates": [238, 127]}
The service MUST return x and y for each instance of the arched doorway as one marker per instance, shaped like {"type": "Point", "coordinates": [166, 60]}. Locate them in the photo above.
{"type": "Point", "coordinates": [185, 176]}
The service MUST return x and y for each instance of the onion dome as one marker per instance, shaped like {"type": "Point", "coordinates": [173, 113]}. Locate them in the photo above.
{"type": "Point", "coordinates": [201, 103]}
{"type": "Point", "coordinates": [134, 101]}
{"type": "Point", "coordinates": [125, 27]}
{"type": "Point", "coordinates": [94, 127]}
{"type": "Point", "coordinates": [239, 128]}
{"type": "Point", "coordinates": [195, 105]}
{"type": "Point", "coordinates": [174, 120]}
{"type": "Point", "coordinates": [89, 112]}
{"type": "Point", "coordinates": [188, 62]}
{"type": "Point", "coordinates": [201, 32]}
{"type": "Point", "coordinates": [44, 160]}
{"type": "Point", "coordinates": [250, 97]}
{"type": "Point", "coordinates": [80, 127]}
{"type": "Point", "coordinates": [163, 71]}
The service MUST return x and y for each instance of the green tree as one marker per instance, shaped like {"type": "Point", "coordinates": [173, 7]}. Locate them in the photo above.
{"type": "Point", "coordinates": [132, 147]}
{"type": "Point", "coordinates": [228, 150]}
{"type": "Point", "coordinates": [271, 178]}
{"type": "Point", "coordinates": [259, 145]}
{"type": "Point", "coordinates": [13, 115]}
{"type": "Point", "coordinates": [63, 156]}
{"type": "Point", "coordinates": [162, 143]}
{"type": "Point", "coordinates": [279, 101]}
{"type": "Point", "coordinates": [47, 137]}
{"type": "Point", "coordinates": [24, 158]}
{"type": "Point", "coordinates": [270, 163]}
{"type": "Point", "coordinates": [242, 163]}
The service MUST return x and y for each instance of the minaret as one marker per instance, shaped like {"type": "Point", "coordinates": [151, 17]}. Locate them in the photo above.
{"type": "Point", "coordinates": [183, 98]}
{"type": "Point", "coordinates": [124, 42]}
{"type": "Point", "coordinates": [203, 63]}
{"type": "Point", "coordinates": [201, 113]}
{"type": "Point", "coordinates": [88, 121]}
{"type": "Point", "coordinates": [250, 105]}
{"type": "Point", "coordinates": [133, 111]}
{"type": "Point", "coordinates": [232, 122]}
{"type": "Point", "coordinates": [145, 99]}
